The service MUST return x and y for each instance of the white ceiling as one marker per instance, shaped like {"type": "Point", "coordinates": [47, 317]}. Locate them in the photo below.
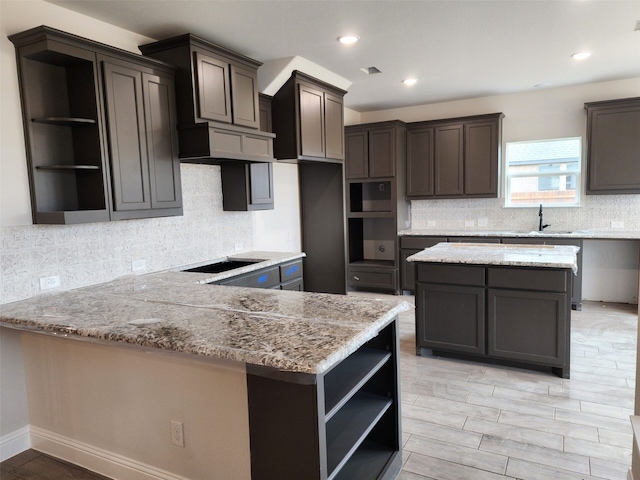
{"type": "Point", "coordinates": [456, 49]}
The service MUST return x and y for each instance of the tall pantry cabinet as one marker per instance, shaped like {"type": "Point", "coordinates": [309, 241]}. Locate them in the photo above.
{"type": "Point", "coordinates": [99, 130]}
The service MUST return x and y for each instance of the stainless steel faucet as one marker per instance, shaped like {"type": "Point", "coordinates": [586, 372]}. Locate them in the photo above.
{"type": "Point", "coordinates": [541, 224]}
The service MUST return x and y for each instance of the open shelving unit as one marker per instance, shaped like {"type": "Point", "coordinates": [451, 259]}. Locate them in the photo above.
{"type": "Point", "coordinates": [344, 423]}
{"type": "Point", "coordinates": [65, 151]}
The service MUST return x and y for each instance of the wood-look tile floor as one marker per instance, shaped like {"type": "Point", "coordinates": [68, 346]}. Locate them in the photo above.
{"type": "Point", "coordinates": [464, 420]}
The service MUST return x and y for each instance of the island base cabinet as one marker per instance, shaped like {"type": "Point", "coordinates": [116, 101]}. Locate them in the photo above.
{"type": "Point", "coordinates": [456, 318]}
{"type": "Point", "coordinates": [343, 424]}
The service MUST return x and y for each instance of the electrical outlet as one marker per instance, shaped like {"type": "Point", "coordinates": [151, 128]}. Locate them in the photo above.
{"type": "Point", "coordinates": [177, 433]}
{"type": "Point", "coordinates": [237, 246]}
{"type": "Point", "coordinates": [431, 223]}
{"type": "Point", "coordinates": [138, 265]}
{"type": "Point", "coordinates": [617, 224]}
{"type": "Point", "coordinates": [482, 222]}
{"type": "Point", "coordinates": [469, 223]}
{"type": "Point", "coordinates": [49, 282]}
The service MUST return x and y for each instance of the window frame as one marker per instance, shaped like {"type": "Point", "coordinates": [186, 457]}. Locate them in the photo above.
{"type": "Point", "coordinates": [538, 175]}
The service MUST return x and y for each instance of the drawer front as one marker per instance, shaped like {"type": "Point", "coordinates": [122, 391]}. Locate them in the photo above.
{"type": "Point", "coordinates": [289, 271]}
{"type": "Point", "coordinates": [450, 274]}
{"type": "Point", "coordinates": [547, 280]}
{"type": "Point", "coordinates": [420, 243]}
{"type": "Point", "coordinates": [295, 285]}
{"type": "Point", "coordinates": [265, 278]}
{"type": "Point", "coordinates": [373, 277]}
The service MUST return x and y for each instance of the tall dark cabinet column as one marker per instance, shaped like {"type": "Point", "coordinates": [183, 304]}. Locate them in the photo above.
{"type": "Point", "coordinates": [308, 121]}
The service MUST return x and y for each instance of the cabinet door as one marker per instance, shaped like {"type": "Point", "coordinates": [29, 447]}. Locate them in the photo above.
{"type": "Point", "coordinates": [613, 144]}
{"type": "Point", "coordinates": [381, 153]}
{"type": "Point", "coordinates": [264, 103]}
{"type": "Point", "coordinates": [481, 159]}
{"type": "Point", "coordinates": [450, 318]}
{"type": "Point", "coordinates": [357, 154]}
{"type": "Point", "coordinates": [420, 160]}
{"type": "Point", "coordinates": [164, 165]}
{"type": "Point", "coordinates": [127, 138]}
{"type": "Point", "coordinates": [311, 122]}
{"type": "Point", "coordinates": [334, 126]}
{"type": "Point", "coordinates": [407, 270]}
{"type": "Point", "coordinates": [214, 95]}
{"type": "Point", "coordinates": [449, 158]}
{"type": "Point", "coordinates": [261, 184]}
{"type": "Point", "coordinates": [244, 97]}
{"type": "Point", "coordinates": [528, 325]}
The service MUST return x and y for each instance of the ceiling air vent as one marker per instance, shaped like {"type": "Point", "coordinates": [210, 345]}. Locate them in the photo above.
{"type": "Point", "coordinates": [370, 70]}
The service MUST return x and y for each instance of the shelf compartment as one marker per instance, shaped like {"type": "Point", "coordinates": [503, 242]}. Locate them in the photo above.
{"type": "Point", "coordinates": [370, 460]}
{"type": "Point", "coordinates": [349, 427]}
{"type": "Point", "coordinates": [372, 239]}
{"type": "Point", "coordinates": [370, 197]}
{"type": "Point", "coordinates": [347, 378]}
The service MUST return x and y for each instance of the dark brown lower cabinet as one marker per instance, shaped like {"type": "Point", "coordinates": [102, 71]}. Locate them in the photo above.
{"type": "Point", "coordinates": [342, 424]}
{"type": "Point", "coordinates": [517, 315]}
{"type": "Point", "coordinates": [285, 276]}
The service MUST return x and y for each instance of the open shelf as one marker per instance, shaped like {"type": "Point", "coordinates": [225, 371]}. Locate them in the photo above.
{"type": "Point", "coordinates": [65, 121]}
{"type": "Point", "coordinates": [347, 378]}
{"type": "Point", "coordinates": [348, 428]}
{"type": "Point", "coordinates": [368, 461]}
{"type": "Point", "coordinates": [68, 167]}
{"type": "Point", "coordinates": [371, 197]}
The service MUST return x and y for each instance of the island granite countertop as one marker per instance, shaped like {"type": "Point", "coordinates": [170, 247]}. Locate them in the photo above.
{"type": "Point", "coordinates": [299, 332]}
{"type": "Point", "coordinates": [548, 256]}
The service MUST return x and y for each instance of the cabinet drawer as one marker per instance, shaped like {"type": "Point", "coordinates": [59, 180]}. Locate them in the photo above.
{"type": "Point", "coordinates": [372, 277]}
{"type": "Point", "coordinates": [450, 274]}
{"type": "Point", "coordinates": [547, 280]}
{"type": "Point", "coordinates": [296, 285]}
{"type": "Point", "coordinates": [420, 242]}
{"type": "Point", "coordinates": [266, 278]}
{"type": "Point", "coordinates": [291, 270]}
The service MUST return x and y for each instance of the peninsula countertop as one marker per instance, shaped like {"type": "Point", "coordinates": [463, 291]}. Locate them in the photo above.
{"type": "Point", "coordinates": [298, 332]}
{"type": "Point", "coordinates": [548, 256]}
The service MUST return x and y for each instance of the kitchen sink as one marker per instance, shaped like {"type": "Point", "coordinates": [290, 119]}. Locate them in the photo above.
{"type": "Point", "coordinates": [223, 266]}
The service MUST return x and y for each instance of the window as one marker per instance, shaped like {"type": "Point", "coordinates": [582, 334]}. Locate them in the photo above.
{"type": "Point", "coordinates": [543, 172]}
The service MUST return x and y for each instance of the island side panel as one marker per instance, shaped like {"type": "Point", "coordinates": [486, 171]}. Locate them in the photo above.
{"type": "Point", "coordinates": [119, 401]}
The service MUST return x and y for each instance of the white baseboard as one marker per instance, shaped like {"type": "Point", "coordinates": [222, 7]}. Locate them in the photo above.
{"type": "Point", "coordinates": [96, 459]}
{"type": "Point", "coordinates": [14, 443]}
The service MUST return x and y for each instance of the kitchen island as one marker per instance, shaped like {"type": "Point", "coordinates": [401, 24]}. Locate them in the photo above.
{"type": "Point", "coordinates": [264, 383]}
{"type": "Point", "coordinates": [502, 303]}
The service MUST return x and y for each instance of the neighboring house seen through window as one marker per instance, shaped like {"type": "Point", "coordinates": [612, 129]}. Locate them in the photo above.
{"type": "Point", "coordinates": [543, 172]}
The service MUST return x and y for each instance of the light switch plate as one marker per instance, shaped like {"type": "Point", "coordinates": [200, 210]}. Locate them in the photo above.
{"type": "Point", "coordinates": [617, 224]}
{"type": "Point", "coordinates": [482, 222]}
{"type": "Point", "coordinates": [431, 223]}
{"type": "Point", "coordinates": [469, 223]}
{"type": "Point", "coordinates": [237, 247]}
{"type": "Point", "coordinates": [138, 265]}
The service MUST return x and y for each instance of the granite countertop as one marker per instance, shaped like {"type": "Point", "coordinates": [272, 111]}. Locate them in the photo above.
{"type": "Point", "coordinates": [584, 234]}
{"type": "Point", "coordinates": [547, 256]}
{"type": "Point", "coordinates": [299, 332]}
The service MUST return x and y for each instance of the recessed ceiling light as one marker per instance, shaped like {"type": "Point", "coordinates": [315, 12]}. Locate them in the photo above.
{"type": "Point", "coordinates": [348, 39]}
{"type": "Point", "coordinates": [581, 55]}
{"type": "Point", "coordinates": [409, 81]}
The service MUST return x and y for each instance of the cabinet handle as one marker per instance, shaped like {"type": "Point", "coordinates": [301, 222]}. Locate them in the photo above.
{"type": "Point", "coordinates": [356, 278]}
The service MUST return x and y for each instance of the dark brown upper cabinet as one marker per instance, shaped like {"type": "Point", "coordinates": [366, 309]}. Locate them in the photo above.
{"type": "Point", "coordinates": [78, 142]}
{"type": "Point", "coordinates": [141, 119]}
{"type": "Point", "coordinates": [308, 120]}
{"type": "Point", "coordinates": [454, 158]}
{"type": "Point", "coordinates": [374, 150]}
{"type": "Point", "coordinates": [217, 98]}
{"type": "Point", "coordinates": [249, 186]}
{"type": "Point", "coordinates": [613, 146]}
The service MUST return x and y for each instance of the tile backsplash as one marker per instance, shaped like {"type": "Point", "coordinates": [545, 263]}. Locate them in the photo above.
{"type": "Point", "coordinates": [98, 252]}
{"type": "Point", "coordinates": [596, 213]}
